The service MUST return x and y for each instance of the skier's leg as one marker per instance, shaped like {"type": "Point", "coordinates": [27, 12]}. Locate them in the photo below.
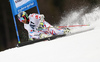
{"type": "Point", "coordinates": [46, 24]}
{"type": "Point", "coordinates": [53, 30]}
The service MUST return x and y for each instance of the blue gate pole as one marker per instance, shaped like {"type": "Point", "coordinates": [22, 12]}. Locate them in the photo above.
{"type": "Point", "coordinates": [16, 29]}
{"type": "Point", "coordinates": [38, 10]}
{"type": "Point", "coordinates": [37, 7]}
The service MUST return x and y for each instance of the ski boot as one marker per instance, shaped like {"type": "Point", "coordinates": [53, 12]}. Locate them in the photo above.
{"type": "Point", "coordinates": [67, 31]}
{"type": "Point", "coordinates": [45, 36]}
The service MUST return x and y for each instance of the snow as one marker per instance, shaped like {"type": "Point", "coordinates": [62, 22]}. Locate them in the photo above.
{"type": "Point", "coordinates": [82, 47]}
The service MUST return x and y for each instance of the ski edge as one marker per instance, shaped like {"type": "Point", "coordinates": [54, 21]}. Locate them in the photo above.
{"type": "Point", "coordinates": [35, 41]}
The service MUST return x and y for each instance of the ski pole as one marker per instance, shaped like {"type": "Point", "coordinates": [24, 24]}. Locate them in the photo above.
{"type": "Point", "coordinates": [72, 26]}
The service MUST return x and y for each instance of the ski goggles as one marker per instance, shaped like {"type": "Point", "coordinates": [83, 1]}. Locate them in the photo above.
{"type": "Point", "coordinates": [21, 19]}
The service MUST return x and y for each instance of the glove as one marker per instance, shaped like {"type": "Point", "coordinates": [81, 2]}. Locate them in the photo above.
{"type": "Point", "coordinates": [40, 26]}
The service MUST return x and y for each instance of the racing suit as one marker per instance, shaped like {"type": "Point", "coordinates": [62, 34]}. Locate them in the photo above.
{"type": "Point", "coordinates": [35, 20]}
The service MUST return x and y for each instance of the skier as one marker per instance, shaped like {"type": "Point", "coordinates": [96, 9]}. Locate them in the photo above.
{"type": "Point", "coordinates": [37, 27]}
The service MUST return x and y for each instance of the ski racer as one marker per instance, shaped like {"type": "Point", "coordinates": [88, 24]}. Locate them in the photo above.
{"type": "Point", "coordinates": [37, 27]}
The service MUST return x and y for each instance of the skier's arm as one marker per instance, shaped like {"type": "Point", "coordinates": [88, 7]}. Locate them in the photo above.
{"type": "Point", "coordinates": [42, 18]}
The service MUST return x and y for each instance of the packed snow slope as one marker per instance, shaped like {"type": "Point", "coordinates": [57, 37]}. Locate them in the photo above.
{"type": "Point", "coordinates": [82, 47]}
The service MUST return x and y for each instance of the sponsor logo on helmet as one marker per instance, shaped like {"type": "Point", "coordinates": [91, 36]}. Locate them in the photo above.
{"type": "Point", "coordinates": [16, 1]}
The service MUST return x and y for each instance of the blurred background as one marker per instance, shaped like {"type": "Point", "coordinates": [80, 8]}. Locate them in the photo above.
{"type": "Point", "coordinates": [52, 9]}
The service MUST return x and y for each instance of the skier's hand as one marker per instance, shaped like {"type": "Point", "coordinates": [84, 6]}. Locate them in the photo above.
{"type": "Point", "coordinates": [40, 26]}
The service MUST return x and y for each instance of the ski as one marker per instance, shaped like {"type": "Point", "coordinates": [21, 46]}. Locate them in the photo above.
{"type": "Point", "coordinates": [39, 40]}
